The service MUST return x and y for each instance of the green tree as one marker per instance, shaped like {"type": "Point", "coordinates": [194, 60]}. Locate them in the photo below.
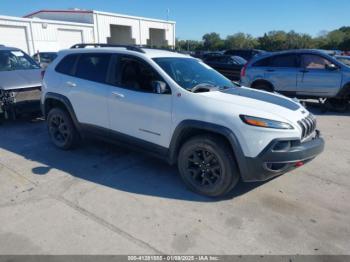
{"type": "Point", "coordinates": [212, 41]}
{"type": "Point", "coordinates": [240, 40]}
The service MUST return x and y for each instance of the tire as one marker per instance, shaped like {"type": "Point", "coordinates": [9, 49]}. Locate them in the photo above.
{"type": "Point", "coordinates": [207, 166]}
{"type": "Point", "coordinates": [61, 129]}
{"type": "Point", "coordinates": [263, 86]}
{"type": "Point", "coordinates": [337, 105]}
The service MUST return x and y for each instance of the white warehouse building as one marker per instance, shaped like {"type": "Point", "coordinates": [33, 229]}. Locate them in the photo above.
{"type": "Point", "coordinates": [53, 30]}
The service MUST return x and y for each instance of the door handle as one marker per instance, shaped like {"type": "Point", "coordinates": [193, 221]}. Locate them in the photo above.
{"type": "Point", "coordinates": [270, 70]}
{"type": "Point", "coordinates": [71, 84]}
{"type": "Point", "coordinates": [304, 71]}
{"type": "Point", "coordinates": [117, 95]}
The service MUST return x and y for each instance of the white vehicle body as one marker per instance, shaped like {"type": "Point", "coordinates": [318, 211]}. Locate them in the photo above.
{"type": "Point", "coordinates": [155, 118]}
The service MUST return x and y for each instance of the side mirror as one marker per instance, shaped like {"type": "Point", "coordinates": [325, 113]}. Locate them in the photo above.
{"type": "Point", "coordinates": [159, 87]}
{"type": "Point", "coordinates": [331, 67]}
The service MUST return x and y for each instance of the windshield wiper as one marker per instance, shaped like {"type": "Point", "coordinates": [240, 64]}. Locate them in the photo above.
{"type": "Point", "coordinates": [204, 86]}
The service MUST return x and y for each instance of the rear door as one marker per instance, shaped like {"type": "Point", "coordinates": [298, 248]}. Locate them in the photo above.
{"type": "Point", "coordinates": [86, 87]}
{"type": "Point", "coordinates": [314, 79]}
{"type": "Point", "coordinates": [281, 71]}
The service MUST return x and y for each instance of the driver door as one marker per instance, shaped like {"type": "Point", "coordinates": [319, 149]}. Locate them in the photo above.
{"type": "Point", "coordinates": [315, 79]}
{"type": "Point", "coordinates": [134, 108]}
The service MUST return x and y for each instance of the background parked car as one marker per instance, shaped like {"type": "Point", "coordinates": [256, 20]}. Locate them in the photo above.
{"type": "Point", "coordinates": [20, 83]}
{"type": "Point", "coordinates": [44, 58]}
{"type": "Point", "coordinates": [229, 66]}
{"type": "Point", "coordinates": [247, 54]}
{"type": "Point", "coordinates": [300, 73]}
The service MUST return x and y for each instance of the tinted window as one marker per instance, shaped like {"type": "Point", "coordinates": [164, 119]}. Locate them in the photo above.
{"type": "Point", "coordinates": [66, 65]}
{"type": "Point", "coordinates": [314, 62]}
{"type": "Point", "coordinates": [262, 62]}
{"type": "Point", "coordinates": [284, 61]}
{"type": "Point", "coordinates": [136, 74]}
{"type": "Point", "coordinates": [93, 67]}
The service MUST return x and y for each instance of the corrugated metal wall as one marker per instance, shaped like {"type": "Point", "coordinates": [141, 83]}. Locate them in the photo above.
{"type": "Point", "coordinates": [45, 32]}
{"type": "Point", "coordinates": [140, 27]}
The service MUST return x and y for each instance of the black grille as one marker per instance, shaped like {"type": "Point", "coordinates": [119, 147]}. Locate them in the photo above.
{"type": "Point", "coordinates": [308, 125]}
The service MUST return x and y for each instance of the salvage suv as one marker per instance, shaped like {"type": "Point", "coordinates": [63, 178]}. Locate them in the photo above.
{"type": "Point", "coordinates": [20, 83]}
{"type": "Point", "coordinates": [179, 109]}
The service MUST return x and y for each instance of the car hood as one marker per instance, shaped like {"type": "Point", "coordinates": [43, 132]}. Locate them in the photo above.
{"type": "Point", "coordinates": [19, 79]}
{"type": "Point", "coordinates": [260, 102]}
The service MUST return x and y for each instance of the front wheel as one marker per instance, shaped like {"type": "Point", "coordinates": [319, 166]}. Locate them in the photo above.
{"type": "Point", "coordinates": [338, 105]}
{"type": "Point", "coordinates": [207, 166]}
{"type": "Point", "coordinates": [264, 87]}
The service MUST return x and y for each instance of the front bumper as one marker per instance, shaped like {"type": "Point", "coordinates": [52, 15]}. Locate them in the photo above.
{"type": "Point", "coordinates": [19, 102]}
{"type": "Point", "coordinates": [281, 156]}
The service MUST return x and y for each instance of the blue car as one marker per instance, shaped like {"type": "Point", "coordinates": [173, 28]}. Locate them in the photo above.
{"type": "Point", "coordinates": [300, 73]}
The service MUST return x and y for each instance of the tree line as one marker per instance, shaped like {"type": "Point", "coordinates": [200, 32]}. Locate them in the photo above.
{"type": "Point", "coordinates": [338, 39]}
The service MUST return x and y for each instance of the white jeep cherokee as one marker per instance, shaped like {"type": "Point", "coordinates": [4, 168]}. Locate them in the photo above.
{"type": "Point", "coordinates": [179, 109]}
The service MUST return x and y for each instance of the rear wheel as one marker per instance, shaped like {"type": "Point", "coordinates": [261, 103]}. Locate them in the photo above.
{"type": "Point", "coordinates": [61, 129]}
{"type": "Point", "coordinates": [207, 166]}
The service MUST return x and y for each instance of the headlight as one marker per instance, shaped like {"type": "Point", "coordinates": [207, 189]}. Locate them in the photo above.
{"type": "Point", "coordinates": [262, 122]}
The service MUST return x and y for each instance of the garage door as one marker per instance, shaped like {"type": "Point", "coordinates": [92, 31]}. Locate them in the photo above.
{"type": "Point", "coordinates": [67, 38]}
{"type": "Point", "coordinates": [14, 36]}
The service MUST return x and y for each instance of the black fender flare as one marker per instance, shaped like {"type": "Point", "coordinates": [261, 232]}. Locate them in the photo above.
{"type": "Point", "coordinates": [344, 92]}
{"type": "Point", "coordinates": [67, 104]}
{"type": "Point", "coordinates": [186, 125]}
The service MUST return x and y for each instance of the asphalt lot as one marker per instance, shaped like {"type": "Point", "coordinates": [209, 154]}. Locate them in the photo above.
{"type": "Point", "coordinates": [100, 199]}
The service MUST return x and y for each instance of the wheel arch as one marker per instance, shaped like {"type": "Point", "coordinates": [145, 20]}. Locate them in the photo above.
{"type": "Point", "coordinates": [262, 81]}
{"type": "Point", "coordinates": [190, 128]}
{"type": "Point", "coordinates": [57, 100]}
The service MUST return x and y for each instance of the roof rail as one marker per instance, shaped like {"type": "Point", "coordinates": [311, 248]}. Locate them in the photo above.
{"type": "Point", "coordinates": [128, 47]}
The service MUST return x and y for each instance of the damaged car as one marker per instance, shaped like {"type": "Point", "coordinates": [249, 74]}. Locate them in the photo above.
{"type": "Point", "coordinates": [20, 84]}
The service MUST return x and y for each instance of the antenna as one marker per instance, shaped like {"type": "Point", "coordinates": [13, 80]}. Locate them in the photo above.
{"type": "Point", "coordinates": [167, 14]}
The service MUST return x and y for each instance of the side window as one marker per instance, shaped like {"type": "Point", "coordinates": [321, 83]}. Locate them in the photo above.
{"type": "Point", "coordinates": [284, 61]}
{"type": "Point", "coordinates": [262, 63]}
{"type": "Point", "coordinates": [136, 74]}
{"type": "Point", "coordinates": [93, 67]}
{"type": "Point", "coordinates": [314, 62]}
{"type": "Point", "coordinates": [66, 65]}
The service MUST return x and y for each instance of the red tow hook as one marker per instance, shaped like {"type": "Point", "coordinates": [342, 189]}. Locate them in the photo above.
{"type": "Point", "coordinates": [299, 164]}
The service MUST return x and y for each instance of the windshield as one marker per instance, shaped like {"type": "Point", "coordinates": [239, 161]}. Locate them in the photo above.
{"type": "Point", "coordinates": [16, 60]}
{"type": "Point", "coordinates": [190, 72]}
{"type": "Point", "coordinates": [344, 60]}
{"type": "Point", "coordinates": [240, 60]}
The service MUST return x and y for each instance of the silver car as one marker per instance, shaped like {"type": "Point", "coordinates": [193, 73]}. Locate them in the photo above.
{"type": "Point", "coordinates": [20, 83]}
{"type": "Point", "coordinates": [299, 73]}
